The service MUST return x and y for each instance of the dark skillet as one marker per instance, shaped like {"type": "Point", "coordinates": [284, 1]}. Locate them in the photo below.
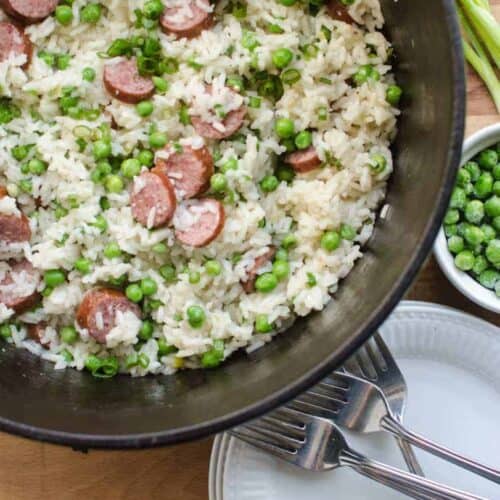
{"type": "Point", "coordinates": [75, 409]}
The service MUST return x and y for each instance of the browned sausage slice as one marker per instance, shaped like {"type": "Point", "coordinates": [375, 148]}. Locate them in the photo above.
{"type": "Point", "coordinates": [232, 123]}
{"type": "Point", "coordinates": [189, 171]}
{"type": "Point", "coordinates": [199, 222]}
{"type": "Point", "coordinates": [97, 311]}
{"type": "Point", "coordinates": [303, 161]}
{"type": "Point", "coordinates": [14, 41]}
{"type": "Point", "coordinates": [339, 11]}
{"type": "Point", "coordinates": [18, 286]}
{"type": "Point", "coordinates": [188, 20]}
{"type": "Point", "coordinates": [153, 199]}
{"type": "Point", "coordinates": [13, 229]}
{"type": "Point", "coordinates": [29, 11]}
{"type": "Point", "coordinates": [253, 272]}
{"type": "Point", "coordinates": [123, 81]}
{"type": "Point", "coordinates": [36, 332]}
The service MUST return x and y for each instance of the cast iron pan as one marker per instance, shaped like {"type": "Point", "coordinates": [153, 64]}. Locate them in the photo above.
{"type": "Point", "coordinates": [72, 408]}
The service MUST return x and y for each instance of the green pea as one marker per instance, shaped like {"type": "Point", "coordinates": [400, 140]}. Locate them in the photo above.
{"type": "Point", "coordinates": [19, 153]}
{"type": "Point", "coordinates": [480, 265]}
{"type": "Point", "coordinates": [393, 94]}
{"type": "Point", "coordinates": [255, 102]}
{"type": "Point", "coordinates": [347, 232]}
{"type": "Point", "coordinates": [68, 334]}
{"type": "Point", "coordinates": [284, 173]}
{"type": "Point", "coordinates": [452, 216]}
{"type": "Point", "coordinates": [269, 183]}
{"type": "Point", "coordinates": [164, 349]}
{"type": "Point", "coordinates": [213, 268]}
{"type": "Point", "coordinates": [290, 76]}
{"type": "Point", "coordinates": [496, 223]}
{"type": "Point", "coordinates": [212, 359]}
{"type": "Point", "coordinates": [285, 128]}
{"type": "Point", "coordinates": [330, 240]}
{"type": "Point", "coordinates": [113, 184]}
{"type": "Point", "coordinates": [456, 244]}
{"type": "Point", "coordinates": [496, 172]}
{"type": "Point", "coordinates": [311, 280]}
{"type": "Point", "coordinates": [282, 57]}
{"type": "Point", "coordinates": [194, 277]}
{"type": "Point", "coordinates": [148, 286]}
{"type": "Point", "coordinates": [488, 159]}
{"type": "Point", "coordinates": [64, 14]}
{"type": "Point", "coordinates": [289, 241]}
{"type": "Point", "coordinates": [496, 188]}
{"type": "Point", "coordinates": [36, 166]}
{"type": "Point", "coordinates": [144, 108]}
{"type": "Point", "coordinates": [463, 177]}
{"type": "Point", "coordinates": [262, 324]}
{"type": "Point", "coordinates": [489, 232]}
{"type": "Point", "coordinates": [130, 167]}
{"type": "Point", "coordinates": [88, 74]}
{"type": "Point", "coordinates": [91, 13]}
{"type": "Point", "coordinates": [473, 168]}
{"type": "Point", "coordinates": [492, 206]}
{"type": "Point", "coordinates": [493, 252]}
{"type": "Point", "coordinates": [159, 248]}
{"type": "Point", "coordinates": [489, 278]}
{"type": "Point", "coordinates": [168, 273]}
{"type": "Point", "coordinates": [6, 331]}
{"type": "Point", "coordinates": [54, 277]}
{"type": "Point", "coordinates": [458, 198]}
{"type": "Point", "coordinates": [465, 260]}
{"type": "Point", "coordinates": [303, 139]}
{"type": "Point", "coordinates": [84, 266]}
{"type": "Point", "coordinates": [26, 186]}
{"type": "Point", "coordinates": [112, 251]}
{"type": "Point", "coordinates": [196, 316]}
{"type": "Point", "coordinates": [157, 140]}
{"type": "Point", "coordinates": [450, 230]}
{"type": "Point", "coordinates": [281, 269]}
{"type": "Point", "coordinates": [146, 157]}
{"type": "Point", "coordinates": [146, 330]}
{"type": "Point", "coordinates": [100, 223]}
{"type": "Point", "coordinates": [218, 182]}
{"type": "Point", "coordinates": [484, 185]}
{"type": "Point", "coordinates": [231, 164]}
{"type": "Point", "coordinates": [287, 3]}
{"type": "Point", "coordinates": [134, 292]}
{"type": "Point", "coordinates": [281, 254]}
{"type": "Point", "coordinates": [153, 9]}
{"type": "Point", "coordinates": [474, 211]}
{"type": "Point", "coordinates": [160, 84]}
{"type": "Point", "coordinates": [473, 235]}
{"type": "Point", "coordinates": [266, 283]}
{"type": "Point", "coordinates": [101, 150]}
{"type": "Point", "coordinates": [365, 73]}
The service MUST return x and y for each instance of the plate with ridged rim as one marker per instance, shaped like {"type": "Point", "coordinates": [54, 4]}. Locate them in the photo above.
{"type": "Point", "coordinates": [451, 362]}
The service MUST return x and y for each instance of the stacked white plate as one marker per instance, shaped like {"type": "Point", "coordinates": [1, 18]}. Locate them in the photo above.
{"type": "Point", "coordinates": [451, 362]}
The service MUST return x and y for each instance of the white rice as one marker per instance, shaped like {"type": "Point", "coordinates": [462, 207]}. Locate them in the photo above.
{"type": "Point", "coordinates": [360, 123]}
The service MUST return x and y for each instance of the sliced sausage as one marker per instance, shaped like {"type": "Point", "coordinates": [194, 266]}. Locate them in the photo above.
{"type": "Point", "coordinates": [232, 123]}
{"type": "Point", "coordinates": [18, 286]}
{"type": "Point", "coordinates": [14, 41]}
{"type": "Point", "coordinates": [199, 222]}
{"type": "Point", "coordinates": [29, 11]}
{"type": "Point", "coordinates": [189, 171]}
{"type": "Point", "coordinates": [253, 272]}
{"type": "Point", "coordinates": [123, 81]}
{"type": "Point", "coordinates": [338, 11]}
{"type": "Point", "coordinates": [36, 333]}
{"type": "Point", "coordinates": [153, 199]}
{"type": "Point", "coordinates": [187, 19]}
{"type": "Point", "coordinates": [13, 228]}
{"type": "Point", "coordinates": [97, 311]}
{"type": "Point", "coordinates": [303, 161]}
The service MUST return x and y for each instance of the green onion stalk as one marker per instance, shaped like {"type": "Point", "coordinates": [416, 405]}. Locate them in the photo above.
{"type": "Point", "coordinates": [481, 42]}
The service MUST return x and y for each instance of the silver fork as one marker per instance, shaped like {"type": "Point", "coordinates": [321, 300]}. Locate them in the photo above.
{"type": "Point", "coordinates": [316, 444]}
{"type": "Point", "coordinates": [358, 405]}
{"type": "Point", "coordinates": [390, 380]}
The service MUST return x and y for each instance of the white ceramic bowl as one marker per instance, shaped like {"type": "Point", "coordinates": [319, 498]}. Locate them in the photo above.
{"type": "Point", "coordinates": [462, 281]}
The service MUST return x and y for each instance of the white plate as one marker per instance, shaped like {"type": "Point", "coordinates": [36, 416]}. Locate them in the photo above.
{"type": "Point", "coordinates": [451, 362]}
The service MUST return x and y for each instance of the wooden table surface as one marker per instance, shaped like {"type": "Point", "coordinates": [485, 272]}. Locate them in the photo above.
{"type": "Point", "coordinates": [31, 470]}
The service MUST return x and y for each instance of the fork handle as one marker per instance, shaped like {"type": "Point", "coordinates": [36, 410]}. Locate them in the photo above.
{"type": "Point", "coordinates": [409, 484]}
{"type": "Point", "coordinates": [397, 429]}
{"type": "Point", "coordinates": [409, 456]}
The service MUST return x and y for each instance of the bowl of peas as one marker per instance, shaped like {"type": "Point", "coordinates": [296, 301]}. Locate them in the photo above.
{"type": "Point", "coordinates": [468, 246]}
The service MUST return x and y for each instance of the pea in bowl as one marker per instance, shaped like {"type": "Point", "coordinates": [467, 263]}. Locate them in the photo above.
{"type": "Point", "coordinates": [468, 245]}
